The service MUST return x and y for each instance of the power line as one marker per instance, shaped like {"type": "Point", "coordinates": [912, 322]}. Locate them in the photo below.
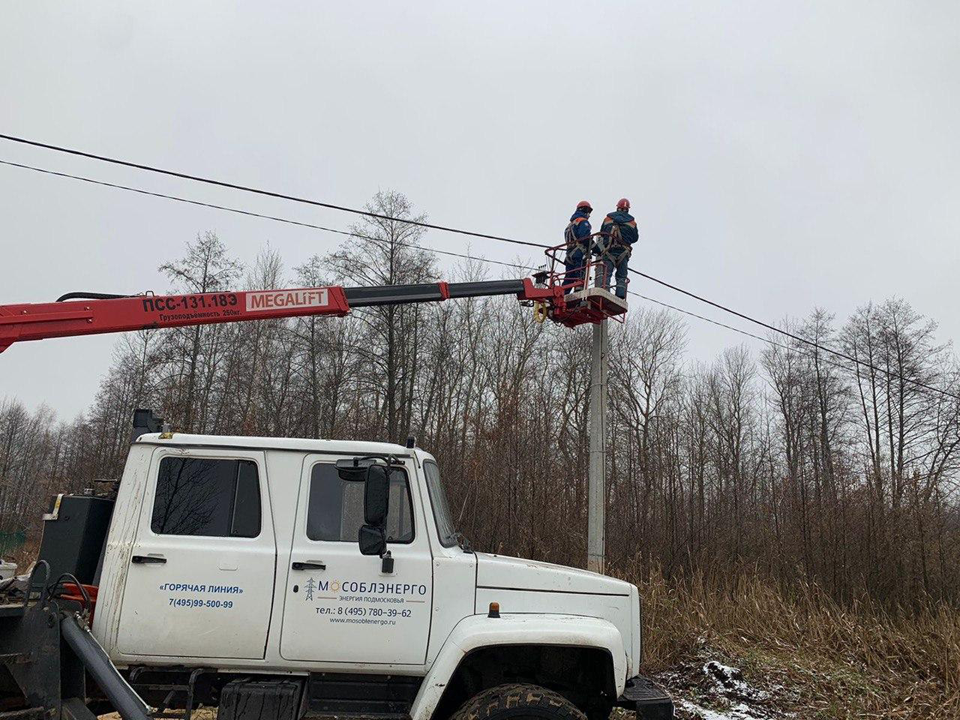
{"type": "Point", "coordinates": [800, 338]}
{"type": "Point", "coordinates": [313, 226]}
{"type": "Point", "coordinates": [706, 319]}
{"type": "Point", "coordinates": [747, 333]}
{"type": "Point", "coordinates": [250, 213]}
{"type": "Point", "coordinates": [774, 343]}
{"type": "Point", "coordinates": [499, 238]}
{"type": "Point", "coordinates": [258, 191]}
{"type": "Point", "coordinates": [288, 221]}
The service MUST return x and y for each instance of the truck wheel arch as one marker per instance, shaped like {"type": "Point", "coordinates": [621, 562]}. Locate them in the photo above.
{"type": "Point", "coordinates": [536, 648]}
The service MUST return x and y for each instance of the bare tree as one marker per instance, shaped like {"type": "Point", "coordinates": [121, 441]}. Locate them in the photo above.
{"type": "Point", "coordinates": [801, 466]}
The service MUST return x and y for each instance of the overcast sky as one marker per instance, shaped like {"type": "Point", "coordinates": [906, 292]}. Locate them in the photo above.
{"type": "Point", "coordinates": [779, 156]}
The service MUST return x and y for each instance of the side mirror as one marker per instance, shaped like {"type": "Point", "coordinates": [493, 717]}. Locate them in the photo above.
{"type": "Point", "coordinates": [376, 505]}
{"type": "Point", "coordinates": [373, 540]}
{"type": "Point", "coordinates": [376, 496]}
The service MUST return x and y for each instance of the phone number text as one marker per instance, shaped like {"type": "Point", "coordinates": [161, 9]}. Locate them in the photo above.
{"type": "Point", "coordinates": [199, 603]}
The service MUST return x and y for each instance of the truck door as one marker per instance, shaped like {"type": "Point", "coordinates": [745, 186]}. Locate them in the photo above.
{"type": "Point", "coordinates": [201, 577]}
{"type": "Point", "coordinates": [338, 604]}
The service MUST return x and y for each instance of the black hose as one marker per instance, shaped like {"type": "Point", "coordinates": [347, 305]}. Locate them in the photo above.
{"type": "Point", "coordinates": [87, 605]}
{"type": "Point", "coordinates": [90, 296]}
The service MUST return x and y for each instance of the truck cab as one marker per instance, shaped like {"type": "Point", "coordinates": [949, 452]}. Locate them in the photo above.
{"type": "Point", "coordinates": [288, 567]}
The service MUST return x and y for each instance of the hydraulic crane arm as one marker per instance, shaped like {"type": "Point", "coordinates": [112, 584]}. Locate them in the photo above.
{"type": "Point", "coordinates": [433, 292]}
{"type": "Point", "coordinates": [91, 314]}
{"type": "Point", "coordinates": [568, 301]}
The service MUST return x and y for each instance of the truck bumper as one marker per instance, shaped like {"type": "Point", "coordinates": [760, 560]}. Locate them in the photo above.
{"type": "Point", "coordinates": [647, 699]}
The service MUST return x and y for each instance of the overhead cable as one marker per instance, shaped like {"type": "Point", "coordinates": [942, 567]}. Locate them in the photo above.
{"type": "Point", "coordinates": [499, 238]}
{"type": "Point", "coordinates": [250, 213]}
{"type": "Point", "coordinates": [257, 191]}
{"type": "Point", "coordinates": [799, 338]}
{"type": "Point", "coordinates": [769, 341]}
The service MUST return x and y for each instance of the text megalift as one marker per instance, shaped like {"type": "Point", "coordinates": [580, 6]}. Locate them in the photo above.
{"type": "Point", "coordinates": [281, 299]}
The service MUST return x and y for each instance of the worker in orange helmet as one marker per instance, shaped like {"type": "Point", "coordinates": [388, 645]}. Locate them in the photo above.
{"type": "Point", "coordinates": [577, 238]}
{"type": "Point", "coordinates": [619, 233]}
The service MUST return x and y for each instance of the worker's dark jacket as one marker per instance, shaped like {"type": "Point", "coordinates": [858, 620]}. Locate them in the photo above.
{"type": "Point", "coordinates": [620, 224]}
{"type": "Point", "coordinates": [579, 229]}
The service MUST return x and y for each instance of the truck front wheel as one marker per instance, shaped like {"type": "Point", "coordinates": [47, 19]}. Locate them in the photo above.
{"type": "Point", "coordinates": [518, 701]}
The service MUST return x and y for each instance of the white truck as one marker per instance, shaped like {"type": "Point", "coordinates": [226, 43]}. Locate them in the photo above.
{"type": "Point", "coordinates": [278, 579]}
{"type": "Point", "coordinates": [285, 578]}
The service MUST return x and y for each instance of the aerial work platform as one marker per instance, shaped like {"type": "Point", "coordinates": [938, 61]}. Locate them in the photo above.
{"type": "Point", "coordinates": [579, 296]}
{"type": "Point", "coordinates": [590, 305]}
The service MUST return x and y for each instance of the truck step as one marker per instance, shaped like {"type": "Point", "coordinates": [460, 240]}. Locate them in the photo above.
{"type": "Point", "coordinates": [361, 696]}
{"type": "Point", "coordinates": [649, 700]}
{"type": "Point", "coordinates": [170, 689]}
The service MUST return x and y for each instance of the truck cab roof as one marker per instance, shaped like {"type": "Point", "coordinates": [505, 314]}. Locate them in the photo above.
{"type": "Point", "coordinates": [349, 447]}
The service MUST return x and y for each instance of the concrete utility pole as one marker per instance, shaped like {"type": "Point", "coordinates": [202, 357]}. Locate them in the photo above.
{"type": "Point", "coordinates": [597, 478]}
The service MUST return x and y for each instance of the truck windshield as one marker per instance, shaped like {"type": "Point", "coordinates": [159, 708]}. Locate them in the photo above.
{"type": "Point", "coordinates": [441, 511]}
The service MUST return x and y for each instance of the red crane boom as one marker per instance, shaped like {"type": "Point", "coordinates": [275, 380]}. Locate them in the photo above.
{"type": "Point", "coordinates": [76, 314]}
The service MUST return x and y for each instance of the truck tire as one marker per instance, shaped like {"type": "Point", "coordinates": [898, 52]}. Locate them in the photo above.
{"type": "Point", "coordinates": [518, 701]}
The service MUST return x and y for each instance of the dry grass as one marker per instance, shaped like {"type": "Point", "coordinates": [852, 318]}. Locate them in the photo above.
{"type": "Point", "coordinates": [836, 663]}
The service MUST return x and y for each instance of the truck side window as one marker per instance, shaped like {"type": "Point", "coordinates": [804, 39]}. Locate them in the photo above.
{"type": "Point", "coordinates": [203, 496]}
{"type": "Point", "coordinates": [335, 510]}
{"type": "Point", "coordinates": [441, 508]}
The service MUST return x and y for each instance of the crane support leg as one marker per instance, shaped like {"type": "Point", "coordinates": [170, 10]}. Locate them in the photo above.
{"type": "Point", "coordinates": [96, 662]}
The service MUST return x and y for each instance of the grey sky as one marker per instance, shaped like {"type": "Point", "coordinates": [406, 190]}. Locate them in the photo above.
{"type": "Point", "coordinates": [779, 156]}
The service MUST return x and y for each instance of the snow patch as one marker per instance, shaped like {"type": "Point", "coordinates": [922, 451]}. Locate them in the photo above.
{"type": "Point", "coordinates": [738, 712]}
{"type": "Point", "coordinates": [730, 682]}
{"type": "Point", "coordinates": [724, 687]}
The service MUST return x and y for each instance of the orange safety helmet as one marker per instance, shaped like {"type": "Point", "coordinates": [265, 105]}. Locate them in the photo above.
{"type": "Point", "coordinates": [623, 204]}
{"type": "Point", "coordinates": [584, 205]}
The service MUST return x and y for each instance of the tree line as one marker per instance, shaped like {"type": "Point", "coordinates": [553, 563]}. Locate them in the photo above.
{"type": "Point", "coordinates": [792, 462]}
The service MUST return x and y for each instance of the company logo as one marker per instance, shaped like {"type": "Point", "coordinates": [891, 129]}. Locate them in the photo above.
{"type": "Point", "coordinates": [282, 299]}
{"type": "Point", "coordinates": [373, 591]}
